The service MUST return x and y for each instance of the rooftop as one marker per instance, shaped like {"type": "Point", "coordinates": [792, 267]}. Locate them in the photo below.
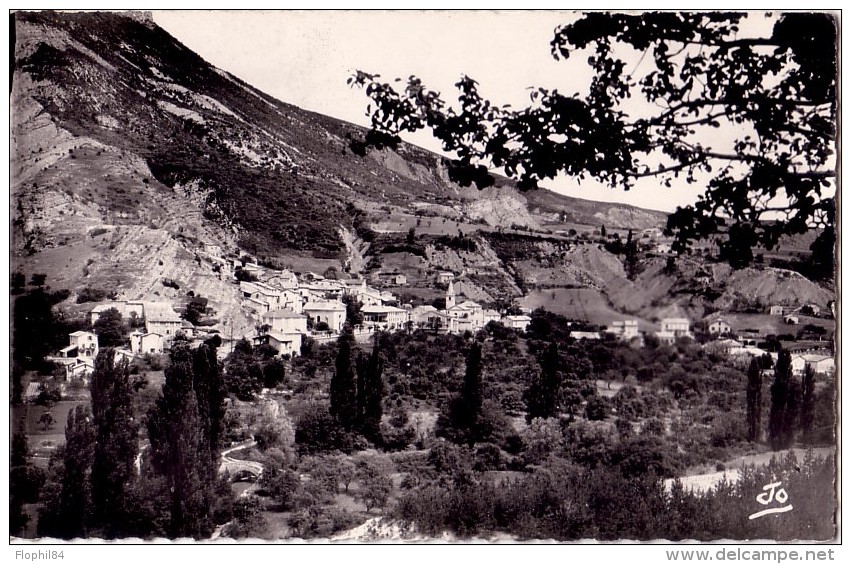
{"type": "Point", "coordinates": [160, 311]}
{"type": "Point", "coordinates": [381, 309]}
{"type": "Point", "coordinates": [324, 306]}
{"type": "Point", "coordinates": [282, 314]}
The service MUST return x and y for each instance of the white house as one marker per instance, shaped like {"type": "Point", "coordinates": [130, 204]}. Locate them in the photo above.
{"type": "Point", "coordinates": [324, 288]}
{"type": "Point", "coordinates": [776, 310]}
{"type": "Point", "coordinates": [286, 321]}
{"type": "Point", "coordinates": [445, 277]}
{"type": "Point", "coordinates": [284, 279]}
{"type": "Point", "coordinates": [791, 320]}
{"type": "Point", "coordinates": [625, 330]}
{"type": "Point", "coordinates": [291, 300]}
{"type": "Point", "coordinates": [369, 296]}
{"type": "Point", "coordinates": [123, 354]}
{"type": "Point", "coordinates": [719, 327]}
{"type": "Point", "coordinates": [161, 318]}
{"type": "Point", "coordinates": [679, 326]}
{"type": "Point", "coordinates": [81, 367]}
{"type": "Point", "coordinates": [354, 287]}
{"type": "Point", "coordinates": [395, 278]}
{"type": "Point", "coordinates": [489, 315]}
{"type": "Point", "coordinates": [820, 363]}
{"type": "Point", "coordinates": [421, 314]}
{"type": "Point", "coordinates": [799, 361]}
{"type": "Point", "coordinates": [430, 318]}
{"type": "Point", "coordinates": [256, 306]}
{"type": "Point", "coordinates": [85, 343]}
{"type": "Point", "coordinates": [520, 322]}
{"type": "Point", "coordinates": [145, 343]}
{"type": "Point", "coordinates": [248, 289]}
{"type": "Point", "coordinates": [672, 329]}
{"type": "Point", "coordinates": [385, 318]}
{"type": "Point", "coordinates": [331, 313]}
{"type": "Point", "coordinates": [590, 335]}
{"type": "Point", "coordinates": [284, 343]}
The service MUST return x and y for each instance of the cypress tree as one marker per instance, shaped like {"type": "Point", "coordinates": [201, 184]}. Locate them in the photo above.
{"type": "Point", "coordinates": [471, 393]}
{"type": "Point", "coordinates": [778, 417]}
{"type": "Point", "coordinates": [631, 256]}
{"type": "Point", "coordinates": [470, 405]}
{"type": "Point", "coordinates": [460, 422]}
{"type": "Point", "coordinates": [807, 404]}
{"type": "Point", "coordinates": [371, 392]}
{"type": "Point", "coordinates": [117, 444]}
{"type": "Point", "coordinates": [544, 393]}
{"type": "Point", "coordinates": [343, 388]}
{"type": "Point", "coordinates": [754, 401]}
{"type": "Point", "coordinates": [793, 408]}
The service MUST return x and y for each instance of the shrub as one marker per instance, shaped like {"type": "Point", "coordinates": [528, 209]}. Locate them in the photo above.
{"type": "Point", "coordinates": [91, 295]}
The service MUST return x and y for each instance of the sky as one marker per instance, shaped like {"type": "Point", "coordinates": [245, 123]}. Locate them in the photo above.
{"type": "Point", "coordinates": [305, 57]}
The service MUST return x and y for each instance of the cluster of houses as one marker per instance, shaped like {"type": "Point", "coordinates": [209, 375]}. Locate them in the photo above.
{"type": "Point", "coordinates": [161, 325]}
{"type": "Point", "coordinates": [672, 328]}
{"type": "Point", "coordinates": [288, 308]}
{"type": "Point", "coordinates": [677, 327]}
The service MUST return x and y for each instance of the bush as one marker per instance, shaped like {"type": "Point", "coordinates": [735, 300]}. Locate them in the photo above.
{"type": "Point", "coordinates": [318, 431]}
{"type": "Point", "coordinates": [597, 408]}
{"type": "Point", "coordinates": [91, 295]}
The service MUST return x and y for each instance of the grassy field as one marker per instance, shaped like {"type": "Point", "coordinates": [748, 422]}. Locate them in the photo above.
{"type": "Point", "coordinates": [584, 304]}
{"type": "Point", "coordinates": [774, 324]}
{"type": "Point", "coordinates": [42, 441]}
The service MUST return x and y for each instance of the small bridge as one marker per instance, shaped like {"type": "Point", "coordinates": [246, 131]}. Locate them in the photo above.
{"type": "Point", "coordinates": [240, 469]}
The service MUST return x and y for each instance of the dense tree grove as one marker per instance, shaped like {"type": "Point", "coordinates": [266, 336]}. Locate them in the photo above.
{"type": "Point", "coordinates": [565, 502]}
{"type": "Point", "coordinates": [101, 483]}
{"type": "Point", "coordinates": [534, 434]}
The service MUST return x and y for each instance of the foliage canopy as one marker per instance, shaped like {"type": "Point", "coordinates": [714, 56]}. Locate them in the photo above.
{"type": "Point", "coordinates": [751, 117]}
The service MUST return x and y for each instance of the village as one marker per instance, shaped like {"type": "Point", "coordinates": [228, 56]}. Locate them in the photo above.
{"type": "Point", "coordinates": [288, 308]}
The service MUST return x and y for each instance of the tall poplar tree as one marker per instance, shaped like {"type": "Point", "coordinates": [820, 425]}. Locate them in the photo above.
{"type": "Point", "coordinates": [116, 446]}
{"type": "Point", "coordinates": [174, 428]}
{"type": "Point", "coordinates": [66, 510]}
{"type": "Point", "coordinates": [209, 390]}
{"type": "Point", "coordinates": [754, 401]}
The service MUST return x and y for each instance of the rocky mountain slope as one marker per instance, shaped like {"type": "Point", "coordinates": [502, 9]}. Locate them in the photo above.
{"type": "Point", "coordinates": [135, 161]}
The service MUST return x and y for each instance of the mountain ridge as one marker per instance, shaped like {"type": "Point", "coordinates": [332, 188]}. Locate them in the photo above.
{"type": "Point", "coordinates": [132, 157]}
